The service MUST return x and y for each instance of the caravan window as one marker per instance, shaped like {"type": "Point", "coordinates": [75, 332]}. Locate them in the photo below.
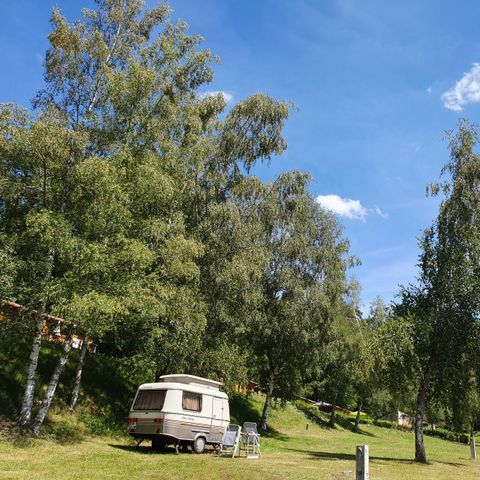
{"type": "Point", "coordinates": [192, 401]}
{"type": "Point", "coordinates": [150, 400]}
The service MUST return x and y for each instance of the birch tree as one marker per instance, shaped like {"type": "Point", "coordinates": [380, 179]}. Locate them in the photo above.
{"type": "Point", "coordinates": [445, 306]}
{"type": "Point", "coordinates": [35, 156]}
{"type": "Point", "coordinates": [301, 285]}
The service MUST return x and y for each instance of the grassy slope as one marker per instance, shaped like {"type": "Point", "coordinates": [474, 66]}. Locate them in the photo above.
{"type": "Point", "coordinates": [289, 452]}
{"type": "Point", "coordinates": [108, 384]}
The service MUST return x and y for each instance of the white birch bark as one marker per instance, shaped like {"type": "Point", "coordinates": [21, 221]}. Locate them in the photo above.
{"type": "Point", "coordinates": [52, 386]}
{"type": "Point", "coordinates": [78, 373]}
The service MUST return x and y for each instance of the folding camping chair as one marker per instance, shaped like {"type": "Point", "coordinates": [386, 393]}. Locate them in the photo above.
{"type": "Point", "coordinates": [252, 440]}
{"type": "Point", "coordinates": [230, 441]}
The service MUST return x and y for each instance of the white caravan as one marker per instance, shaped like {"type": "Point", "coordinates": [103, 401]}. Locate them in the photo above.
{"type": "Point", "coordinates": [180, 410]}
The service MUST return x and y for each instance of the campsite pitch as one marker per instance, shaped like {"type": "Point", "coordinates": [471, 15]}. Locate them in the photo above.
{"type": "Point", "coordinates": [291, 452]}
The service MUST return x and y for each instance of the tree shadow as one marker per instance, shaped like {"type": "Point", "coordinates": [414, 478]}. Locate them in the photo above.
{"type": "Point", "coordinates": [365, 433]}
{"type": "Point", "coordinates": [349, 424]}
{"type": "Point", "coordinates": [352, 457]}
{"type": "Point", "coordinates": [315, 416]}
{"type": "Point", "coordinates": [245, 409]}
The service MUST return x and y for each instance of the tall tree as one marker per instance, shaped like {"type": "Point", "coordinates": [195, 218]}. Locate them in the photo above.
{"type": "Point", "coordinates": [108, 191]}
{"type": "Point", "coordinates": [445, 307]}
{"type": "Point", "coordinates": [300, 285]}
{"type": "Point", "coordinates": [35, 155]}
{"type": "Point", "coordinates": [367, 368]}
{"type": "Point", "coordinates": [82, 151]}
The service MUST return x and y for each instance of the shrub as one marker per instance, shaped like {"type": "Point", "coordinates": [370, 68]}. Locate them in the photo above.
{"type": "Point", "coordinates": [447, 435]}
{"type": "Point", "coordinates": [393, 425]}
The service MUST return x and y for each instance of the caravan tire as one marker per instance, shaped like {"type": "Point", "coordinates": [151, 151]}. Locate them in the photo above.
{"type": "Point", "coordinates": [199, 445]}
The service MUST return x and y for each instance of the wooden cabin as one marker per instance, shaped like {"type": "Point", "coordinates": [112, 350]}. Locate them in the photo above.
{"type": "Point", "coordinates": [53, 329]}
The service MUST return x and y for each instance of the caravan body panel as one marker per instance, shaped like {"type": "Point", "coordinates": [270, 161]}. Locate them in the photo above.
{"type": "Point", "coordinates": [179, 410]}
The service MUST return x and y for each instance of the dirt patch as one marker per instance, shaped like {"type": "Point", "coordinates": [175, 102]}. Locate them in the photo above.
{"type": "Point", "coordinates": [8, 428]}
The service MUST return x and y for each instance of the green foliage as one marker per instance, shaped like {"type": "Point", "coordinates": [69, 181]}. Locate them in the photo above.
{"type": "Point", "coordinates": [127, 208]}
{"type": "Point", "coordinates": [244, 409]}
{"type": "Point", "coordinates": [398, 361]}
{"type": "Point", "coordinates": [253, 130]}
{"type": "Point", "coordinates": [448, 435]}
{"type": "Point", "coordinates": [300, 286]}
{"type": "Point", "coordinates": [393, 425]}
{"type": "Point", "coordinates": [8, 265]}
{"type": "Point", "coordinates": [445, 307]}
{"type": "Point", "coordinates": [65, 429]}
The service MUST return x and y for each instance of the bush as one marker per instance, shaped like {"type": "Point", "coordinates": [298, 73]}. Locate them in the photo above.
{"type": "Point", "coordinates": [63, 427]}
{"type": "Point", "coordinates": [98, 424]}
{"type": "Point", "coordinates": [393, 425]}
{"type": "Point", "coordinates": [447, 435]}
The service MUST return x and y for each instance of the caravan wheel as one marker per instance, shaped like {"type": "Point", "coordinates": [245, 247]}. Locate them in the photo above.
{"type": "Point", "coordinates": [199, 445]}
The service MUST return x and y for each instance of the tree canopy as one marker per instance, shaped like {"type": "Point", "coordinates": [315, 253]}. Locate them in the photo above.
{"type": "Point", "coordinates": [128, 208]}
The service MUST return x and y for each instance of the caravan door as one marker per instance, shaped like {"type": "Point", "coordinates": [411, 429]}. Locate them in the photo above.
{"type": "Point", "coordinates": [216, 431]}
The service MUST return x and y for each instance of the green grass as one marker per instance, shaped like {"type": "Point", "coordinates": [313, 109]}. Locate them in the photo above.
{"type": "Point", "coordinates": [290, 451]}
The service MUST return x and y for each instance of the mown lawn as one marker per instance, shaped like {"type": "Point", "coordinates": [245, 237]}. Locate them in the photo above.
{"type": "Point", "coordinates": [290, 452]}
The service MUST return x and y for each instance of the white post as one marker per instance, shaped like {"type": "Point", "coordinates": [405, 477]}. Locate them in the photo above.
{"type": "Point", "coordinates": [473, 450]}
{"type": "Point", "coordinates": [362, 463]}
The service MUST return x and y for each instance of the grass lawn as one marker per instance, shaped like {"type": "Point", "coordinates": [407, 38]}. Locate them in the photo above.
{"type": "Point", "coordinates": [290, 452]}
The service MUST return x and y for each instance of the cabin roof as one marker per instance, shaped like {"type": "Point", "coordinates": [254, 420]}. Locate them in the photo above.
{"type": "Point", "coordinates": [17, 306]}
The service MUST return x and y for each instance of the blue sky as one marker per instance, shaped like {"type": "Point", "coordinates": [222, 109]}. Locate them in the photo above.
{"type": "Point", "coordinates": [377, 83]}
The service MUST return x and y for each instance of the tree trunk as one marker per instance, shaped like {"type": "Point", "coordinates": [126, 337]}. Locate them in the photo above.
{"type": "Point", "coordinates": [268, 402]}
{"type": "Point", "coordinates": [52, 386]}
{"type": "Point", "coordinates": [332, 421]}
{"type": "Point", "coordinates": [420, 455]}
{"type": "Point", "coordinates": [78, 373]}
{"type": "Point", "coordinates": [473, 448]}
{"type": "Point", "coordinates": [357, 418]}
{"type": "Point", "coordinates": [27, 403]}
{"type": "Point", "coordinates": [28, 396]}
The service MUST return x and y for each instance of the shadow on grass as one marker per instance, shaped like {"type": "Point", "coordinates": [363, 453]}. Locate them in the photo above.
{"type": "Point", "coordinates": [349, 425]}
{"type": "Point", "coordinates": [315, 416]}
{"type": "Point", "coordinates": [61, 432]}
{"type": "Point", "coordinates": [351, 457]}
{"type": "Point", "coordinates": [244, 409]}
{"type": "Point", "coordinates": [147, 450]}
{"type": "Point", "coordinates": [363, 432]}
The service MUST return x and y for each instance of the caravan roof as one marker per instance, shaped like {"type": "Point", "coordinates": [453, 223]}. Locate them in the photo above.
{"type": "Point", "coordinates": [191, 380]}
{"type": "Point", "coordinates": [193, 384]}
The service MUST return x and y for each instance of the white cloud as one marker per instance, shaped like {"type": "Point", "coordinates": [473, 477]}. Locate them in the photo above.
{"type": "Point", "coordinates": [429, 89]}
{"type": "Point", "coordinates": [380, 212]}
{"type": "Point", "coordinates": [345, 207]}
{"type": "Point", "coordinates": [466, 90]}
{"type": "Point", "coordinates": [227, 96]}
{"type": "Point", "coordinates": [348, 208]}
